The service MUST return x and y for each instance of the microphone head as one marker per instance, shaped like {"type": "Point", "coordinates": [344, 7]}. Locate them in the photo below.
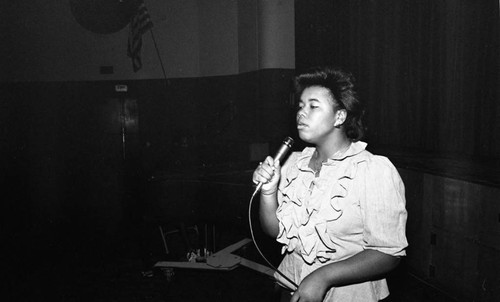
{"type": "Point", "coordinates": [288, 141]}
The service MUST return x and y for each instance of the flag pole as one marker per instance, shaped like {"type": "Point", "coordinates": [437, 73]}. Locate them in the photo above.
{"type": "Point", "coordinates": [159, 57]}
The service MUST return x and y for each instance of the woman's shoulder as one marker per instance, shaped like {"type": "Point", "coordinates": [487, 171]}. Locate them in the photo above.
{"type": "Point", "coordinates": [378, 164]}
{"type": "Point", "coordinates": [379, 175]}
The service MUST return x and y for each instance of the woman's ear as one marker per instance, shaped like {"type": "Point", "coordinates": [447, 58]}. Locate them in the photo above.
{"type": "Point", "coordinates": [340, 117]}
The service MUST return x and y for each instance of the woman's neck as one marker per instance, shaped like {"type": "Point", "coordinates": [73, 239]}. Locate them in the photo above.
{"type": "Point", "coordinates": [331, 149]}
{"type": "Point", "coordinates": [324, 152]}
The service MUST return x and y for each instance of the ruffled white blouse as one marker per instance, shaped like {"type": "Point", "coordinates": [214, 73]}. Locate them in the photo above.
{"type": "Point", "coordinates": [356, 202]}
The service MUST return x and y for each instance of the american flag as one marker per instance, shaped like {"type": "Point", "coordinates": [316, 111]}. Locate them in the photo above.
{"type": "Point", "coordinates": [140, 23]}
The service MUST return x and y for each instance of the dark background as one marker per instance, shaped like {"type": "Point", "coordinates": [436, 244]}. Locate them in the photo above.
{"type": "Point", "coordinates": [427, 71]}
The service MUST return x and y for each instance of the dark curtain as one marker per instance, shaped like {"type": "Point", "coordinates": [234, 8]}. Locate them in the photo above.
{"type": "Point", "coordinates": [427, 70]}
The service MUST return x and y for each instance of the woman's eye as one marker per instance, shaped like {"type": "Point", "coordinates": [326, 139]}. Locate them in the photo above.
{"type": "Point", "coordinates": [308, 106]}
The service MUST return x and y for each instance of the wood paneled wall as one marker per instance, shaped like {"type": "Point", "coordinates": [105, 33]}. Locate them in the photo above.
{"type": "Point", "coordinates": [454, 234]}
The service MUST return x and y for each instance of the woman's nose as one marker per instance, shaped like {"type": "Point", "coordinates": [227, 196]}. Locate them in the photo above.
{"type": "Point", "coordinates": [301, 113]}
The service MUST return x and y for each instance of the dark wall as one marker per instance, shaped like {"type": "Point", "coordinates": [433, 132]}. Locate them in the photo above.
{"type": "Point", "coordinates": [66, 181]}
{"type": "Point", "coordinates": [427, 70]}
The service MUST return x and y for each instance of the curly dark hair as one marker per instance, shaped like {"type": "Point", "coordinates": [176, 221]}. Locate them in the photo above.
{"type": "Point", "coordinates": [341, 86]}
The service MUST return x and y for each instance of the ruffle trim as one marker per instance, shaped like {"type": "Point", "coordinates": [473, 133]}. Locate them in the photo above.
{"type": "Point", "coordinates": [303, 225]}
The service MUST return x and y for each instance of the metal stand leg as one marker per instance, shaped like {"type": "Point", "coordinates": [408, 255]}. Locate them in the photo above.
{"type": "Point", "coordinates": [163, 239]}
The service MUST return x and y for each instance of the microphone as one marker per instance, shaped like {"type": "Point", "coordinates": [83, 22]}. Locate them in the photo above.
{"type": "Point", "coordinates": [280, 154]}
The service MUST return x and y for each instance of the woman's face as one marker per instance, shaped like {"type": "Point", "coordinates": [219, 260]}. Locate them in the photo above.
{"type": "Point", "coordinates": [316, 115]}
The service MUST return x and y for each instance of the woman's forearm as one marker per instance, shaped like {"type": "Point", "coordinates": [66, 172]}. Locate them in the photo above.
{"type": "Point", "coordinates": [267, 214]}
{"type": "Point", "coordinates": [364, 266]}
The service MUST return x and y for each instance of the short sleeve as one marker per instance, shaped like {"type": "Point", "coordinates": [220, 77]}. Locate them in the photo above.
{"type": "Point", "coordinates": [383, 207]}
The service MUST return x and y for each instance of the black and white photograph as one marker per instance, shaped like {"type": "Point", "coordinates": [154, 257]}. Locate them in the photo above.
{"type": "Point", "coordinates": [250, 150]}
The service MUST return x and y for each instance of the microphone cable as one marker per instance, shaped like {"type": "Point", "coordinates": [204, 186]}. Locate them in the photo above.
{"type": "Point", "coordinates": [256, 245]}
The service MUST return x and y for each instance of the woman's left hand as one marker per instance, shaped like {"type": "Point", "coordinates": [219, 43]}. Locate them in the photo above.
{"type": "Point", "coordinates": [312, 289]}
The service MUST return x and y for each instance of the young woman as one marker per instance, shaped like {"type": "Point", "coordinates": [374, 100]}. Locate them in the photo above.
{"type": "Point", "coordinates": [338, 210]}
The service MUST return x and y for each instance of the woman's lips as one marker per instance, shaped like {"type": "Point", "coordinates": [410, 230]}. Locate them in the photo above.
{"type": "Point", "coordinates": [301, 125]}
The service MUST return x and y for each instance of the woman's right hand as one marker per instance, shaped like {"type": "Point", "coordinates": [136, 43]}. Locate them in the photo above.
{"type": "Point", "coordinates": [268, 173]}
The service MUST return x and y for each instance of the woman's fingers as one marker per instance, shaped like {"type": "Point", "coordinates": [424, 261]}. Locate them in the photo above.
{"type": "Point", "coordinates": [265, 171]}
{"type": "Point", "coordinates": [269, 161]}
